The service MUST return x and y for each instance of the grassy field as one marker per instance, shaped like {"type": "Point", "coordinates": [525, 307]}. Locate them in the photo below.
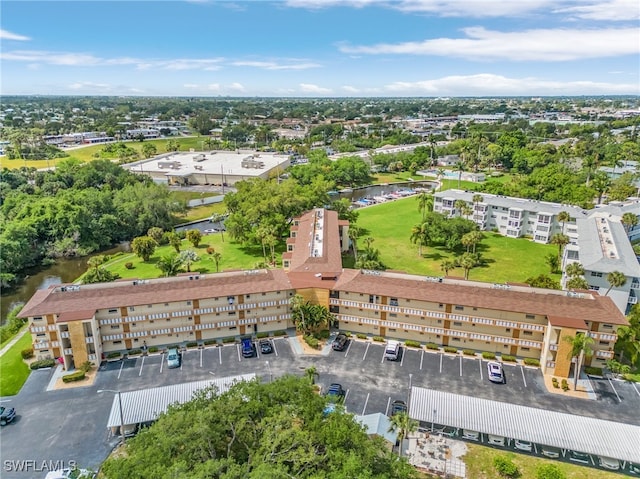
{"type": "Point", "coordinates": [202, 212]}
{"type": "Point", "coordinates": [479, 461]}
{"type": "Point", "coordinates": [234, 256]}
{"type": "Point", "coordinates": [13, 370]}
{"type": "Point", "coordinates": [506, 259]}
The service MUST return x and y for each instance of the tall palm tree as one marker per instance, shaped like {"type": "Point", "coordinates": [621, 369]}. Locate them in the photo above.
{"type": "Point", "coordinates": [447, 265]}
{"type": "Point", "coordinates": [216, 256]}
{"type": "Point", "coordinates": [460, 169]}
{"type": "Point", "coordinates": [419, 236]}
{"type": "Point", "coordinates": [440, 174]}
{"type": "Point", "coordinates": [576, 282]}
{"type": "Point", "coordinates": [574, 269]}
{"type": "Point", "coordinates": [629, 220]}
{"type": "Point", "coordinates": [564, 217]}
{"type": "Point", "coordinates": [477, 198]}
{"type": "Point", "coordinates": [425, 203]}
{"type": "Point", "coordinates": [616, 279]}
{"type": "Point", "coordinates": [187, 257]}
{"type": "Point", "coordinates": [403, 425]}
{"type": "Point", "coordinates": [218, 218]}
{"type": "Point", "coordinates": [354, 233]}
{"type": "Point", "coordinates": [170, 264]}
{"type": "Point", "coordinates": [311, 373]}
{"type": "Point", "coordinates": [580, 347]}
{"type": "Point", "coordinates": [600, 183]}
{"type": "Point", "coordinates": [561, 240]}
{"type": "Point", "coordinates": [467, 261]}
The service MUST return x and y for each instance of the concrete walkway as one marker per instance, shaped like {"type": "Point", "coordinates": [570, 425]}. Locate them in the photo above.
{"type": "Point", "coordinates": [14, 340]}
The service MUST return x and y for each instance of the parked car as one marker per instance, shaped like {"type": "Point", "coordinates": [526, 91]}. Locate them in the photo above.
{"type": "Point", "coordinates": [523, 445]}
{"type": "Point", "coordinates": [70, 473]}
{"type": "Point", "coordinates": [7, 414]}
{"type": "Point", "coordinates": [173, 358]}
{"type": "Point", "coordinates": [494, 369]}
{"type": "Point", "coordinates": [392, 350]}
{"type": "Point", "coordinates": [398, 406]}
{"type": "Point", "coordinates": [471, 435]}
{"type": "Point", "coordinates": [335, 392]}
{"type": "Point", "coordinates": [340, 342]}
{"type": "Point", "coordinates": [634, 468]}
{"type": "Point", "coordinates": [609, 463]}
{"type": "Point", "coordinates": [582, 457]}
{"type": "Point", "coordinates": [495, 440]}
{"type": "Point", "coordinates": [550, 451]}
{"type": "Point", "coordinates": [248, 349]}
{"type": "Point", "coordinates": [211, 230]}
{"type": "Point", "coordinates": [265, 346]}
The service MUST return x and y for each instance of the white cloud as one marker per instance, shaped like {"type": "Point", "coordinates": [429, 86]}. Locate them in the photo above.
{"type": "Point", "coordinates": [190, 85]}
{"type": "Point", "coordinates": [310, 88]}
{"type": "Point", "coordinates": [91, 86]}
{"type": "Point", "coordinates": [498, 85]}
{"type": "Point", "coordinates": [276, 66]}
{"type": "Point", "coordinates": [6, 35]}
{"type": "Point", "coordinates": [610, 10]}
{"type": "Point", "coordinates": [350, 89]}
{"type": "Point", "coordinates": [528, 45]}
{"type": "Point", "coordinates": [236, 87]}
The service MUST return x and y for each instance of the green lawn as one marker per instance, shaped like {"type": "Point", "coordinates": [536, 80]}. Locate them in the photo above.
{"type": "Point", "coordinates": [507, 259]}
{"type": "Point", "coordinates": [479, 461]}
{"type": "Point", "coordinates": [13, 370]}
{"type": "Point", "coordinates": [234, 256]}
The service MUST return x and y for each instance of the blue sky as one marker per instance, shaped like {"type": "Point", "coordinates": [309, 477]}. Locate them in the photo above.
{"type": "Point", "coordinates": [321, 48]}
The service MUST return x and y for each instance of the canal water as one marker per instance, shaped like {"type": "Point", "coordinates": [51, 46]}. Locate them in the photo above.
{"type": "Point", "coordinates": [62, 271]}
{"type": "Point", "coordinates": [384, 189]}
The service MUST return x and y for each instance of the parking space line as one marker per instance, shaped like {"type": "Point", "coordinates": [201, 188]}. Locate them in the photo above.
{"type": "Point", "coordinates": [365, 351]}
{"type": "Point", "coordinates": [366, 401]}
{"type": "Point", "coordinates": [386, 411]}
{"type": "Point", "coordinates": [257, 350]}
{"type": "Point", "coordinates": [161, 362]}
{"type": "Point", "coordinates": [182, 355]}
{"type": "Point", "coordinates": [121, 366]}
{"type": "Point", "coordinates": [345, 399]}
{"type": "Point", "coordinates": [141, 366]}
{"type": "Point", "coordinates": [220, 354]}
{"type": "Point", "coordinates": [440, 363]}
{"type": "Point", "coordinates": [523, 378]}
{"type": "Point", "coordinates": [348, 349]}
{"type": "Point", "coordinates": [201, 357]}
{"type": "Point", "coordinates": [460, 366]}
{"type": "Point", "coordinates": [382, 360]}
{"type": "Point", "coordinates": [275, 350]}
{"type": "Point", "coordinates": [238, 351]}
{"type": "Point", "coordinates": [480, 365]}
{"type": "Point", "coordinates": [614, 389]}
{"type": "Point", "coordinates": [634, 387]}
{"type": "Point", "coordinates": [404, 352]}
{"type": "Point", "coordinates": [421, 358]}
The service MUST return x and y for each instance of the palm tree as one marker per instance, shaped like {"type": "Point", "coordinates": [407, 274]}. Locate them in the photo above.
{"type": "Point", "coordinates": [419, 236]}
{"type": "Point", "coordinates": [564, 217]}
{"type": "Point", "coordinates": [425, 203]}
{"type": "Point", "coordinates": [187, 257]}
{"type": "Point", "coordinates": [354, 233]}
{"type": "Point", "coordinates": [447, 265]}
{"type": "Point", "coordinates": [459, 169]}
{"type": "Point", "coordinates": [629, 339]}
{"type": "Point", "coordinates": [459, 205]}
{"type": "Point", "coordinates": [467, 262]}
{"type": "Point", "coordinates": [466, 211]}
{"type": "Point", "coordinates": [574, 269]}
{"type": "Point", "coordinates": [601, 183]}
{"type": "Point", "coordinates": [629, 220]}
{"type": "Point", "coordinates": [616, 279]}
{"type": "Point", "coordinates": [311, 373]}
{"type": "Point", "coordinates": [216, 256]}
{"type": "Point", "coordinates": [404, 425]}
{"type": "Point", "coordinates": [580, 347]}
{"type": "Point", "coordinates": [477, 198]}
{"type": "Point", "coordinates": [440, 173]}
{"type": "Point", "coordinates": [561, 240]}
{"type": "Point", "coordinates": [218, 218]}
{"type": "Point", "coordinates": [170, 264]}
{"type": "Point", "coordinates": [576, 282]}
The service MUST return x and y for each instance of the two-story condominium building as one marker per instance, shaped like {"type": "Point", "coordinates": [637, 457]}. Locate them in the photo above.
{"type": "Point", "coordinates": [509, 216]}
{"type": "Point", "coordinates": [79, 323]}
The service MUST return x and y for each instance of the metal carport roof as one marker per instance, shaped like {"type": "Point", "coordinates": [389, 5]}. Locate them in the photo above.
{"type": "Point", "coordinates": [146, 404]}
{"type": "Point", "coordinates": [550, 428]}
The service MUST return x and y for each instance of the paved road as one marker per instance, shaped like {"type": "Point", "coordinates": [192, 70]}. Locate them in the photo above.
{"type": "Point", "coordinates": [70, 425]}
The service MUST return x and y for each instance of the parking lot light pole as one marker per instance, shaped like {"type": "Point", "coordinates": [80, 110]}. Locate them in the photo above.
{"type": "Point", "coordinates": [270, 373]}
{"type": "Point", "coordinates": [409, 395]}
{"type": "Point", "coordinates": [433, 419]}
{"type": "Point", "coordinates": [120, 407]}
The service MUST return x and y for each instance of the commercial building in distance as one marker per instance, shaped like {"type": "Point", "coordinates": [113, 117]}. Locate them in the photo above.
{"type": "Point", "coordinates": [85, 322]}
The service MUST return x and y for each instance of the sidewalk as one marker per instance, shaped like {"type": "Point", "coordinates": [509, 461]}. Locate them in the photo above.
{"type": "Point", "coordinates": [14, 340]}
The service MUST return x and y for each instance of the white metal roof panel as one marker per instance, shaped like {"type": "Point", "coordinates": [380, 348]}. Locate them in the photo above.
{"type": "Point", "coordinates": [146, 404]}
{"type": "Point", "coordinates": [550, 428]}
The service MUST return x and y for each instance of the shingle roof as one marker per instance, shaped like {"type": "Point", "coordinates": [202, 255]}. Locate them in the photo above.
{"type": "Point", "coordinates": [329, 258]}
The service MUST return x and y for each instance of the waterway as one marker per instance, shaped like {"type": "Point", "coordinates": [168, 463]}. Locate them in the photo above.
{"type": "Point", "coordinates": [383, 189]}
{"type": "Point", "coordinates": [62, 271]}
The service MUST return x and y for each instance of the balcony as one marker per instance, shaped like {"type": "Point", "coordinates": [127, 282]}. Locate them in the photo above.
{"type": "Point", "coordinates": [89, 340]}
{"type": "Point", "coordinates": [553, 347]}
{"type": "Point", "coordinates": [64, 334]}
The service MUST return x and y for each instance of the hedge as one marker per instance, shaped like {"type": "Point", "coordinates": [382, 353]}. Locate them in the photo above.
{"type": "Point", "coordinates": [324, 334]}
{"type": "Point", "coordinates": [450, 349]}
{"type": "Point", "coordinates": [347, 334]}
{"type": "Point", "coordinates": [593, 371]}
{"type": "Point", "coordinates": [565, 385]}
{"type": "Point", "coordinates": [135, 352]}
{"type": "Point", "coordinates": [77, 376]}
{"type": "Point", "coordinates": [508, 359]}
{"type": "Point", "coordinates": [192, 344]}
{"type": "Point", "coordinates": [412, 344]}
{"type": "Point", "coordinates": [229, 340]}
{"type": "Point", "coordinates": [554, 381]}
{"type": "Point", "coordinates": [433, 346]}
{"type": "Point", "coordinates": [378, 339]}
{"type": "Point", "coordinates": [113, 355]}
{"type": "Point", "coordinates": [262, 334]}
{"type": "Point", "coordinates": [280, 333]}
{"type": "Point", "coordinates": [531, 361]}
{"type": "Point", "coordinates": [208, 342]}
{"type": "Point", "coordinates": [27, 353]}
{"type": "Point", "coordinates": [361, 336]}
{"type": "Point", "coordinates": [43, 363]}
{"type": "Point", "coordinates": [488, 355]}
{"type": "Point", "coordinates": [311, 341]}
{"type": "Point", "coordinates": [153, 349]}
{"type": "Point", "coordinates": [468, 352]}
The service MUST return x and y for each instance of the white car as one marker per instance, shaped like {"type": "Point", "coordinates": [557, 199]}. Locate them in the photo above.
{"type": "Point", "coordinates": [495, 440]}
{"type": "Point", "coordinates": [392, 350]}
{"type": "Point", "coordinates": [70, 473]}
{"type": "Point", "coordinates": [609, 463]}
{"type": "Point", "coordinates": [494, 369]}
{"type": "Point", "coordinates": [211, 230]}
{"type": "Point", "coordinates": [523, 445]}
{"type": "Point", "coordinates": [550, 451]}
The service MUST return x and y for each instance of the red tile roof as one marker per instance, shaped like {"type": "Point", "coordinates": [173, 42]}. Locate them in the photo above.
{"type": "Point", "coordinates": [76, 315]}
{"type": "Point", "coordinates": [302, 259]}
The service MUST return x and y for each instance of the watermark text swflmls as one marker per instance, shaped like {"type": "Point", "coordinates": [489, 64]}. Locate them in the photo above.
{"type": "Point", "coordinates": [32, 465]}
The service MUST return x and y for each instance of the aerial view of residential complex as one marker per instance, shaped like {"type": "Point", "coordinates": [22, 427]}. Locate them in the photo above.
{"type": "Point", "coordinates": [320, 239]}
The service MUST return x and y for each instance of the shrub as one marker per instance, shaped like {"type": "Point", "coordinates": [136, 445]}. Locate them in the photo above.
{"type": "Point", "coordinates": [228, 340]}
{"type": "Point", "coordinates": [508, 358]}
{"type": "Point", "coordinates": [280, 333]}
{"type": "Point", "coordinates": [433, 346]}
{"type": "Point", "coordinates": [549, 471]}
{"type": "Point", "coordinates": [347, 334]}
{"type": "Point", "coordinates": [77, 376]}
{"type": "Point", "coordinates": [134, 352]}
{"type": "Point", "coordinates": [27, 353]}
{"type": "Point", "coordinates": [210, 250]}
{"type": "Point", "coordinates": [324, 334]}
{"type": "Point", "coordinates": [153, 349]}
{"type": "Point", "coordinates": [113, 355]}
{"type": "Point", "coordinates": [565, 385]}
{"type": "Point", "coordinates": [450, 349]}
{"type": "Point", "coordinates": [505, 467]}
{"type": "Point", "coordinates": [554, 381]}
{"type": "Point", "coordinates": [208, 342]}
{"type": "Point", "coordinates": [192, 344]}
{"type": "Point", "coordinates": [378, 339]}
{"type": "Point", "coordinates": [531, 362]}
{"type": "Point", "coordinates": [361, 336]}
{"type": "Point", "coordinates": [12, 324]}
{"type": "Point", "coordinates": [128, 265]}
{"type": "Point", "coordinates": [468, 352]}
{"type": "Point", "coordinates": [412, 344]}
{"type": "Point", "coordinates": [43, 363]}
{"type": "Point", "coordinates": [593, 371]}
{"type": "Point", "coordinates": [488, 355]}
{"type": "Point", "coordinates": [262, 334]}
{"type": "Point", "coordinates": [311, 341]}
{"type": "Point", "coordinates": [86, 366]}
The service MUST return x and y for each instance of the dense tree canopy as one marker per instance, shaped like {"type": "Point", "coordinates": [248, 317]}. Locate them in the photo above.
{"type": "Point", "coordinates": [261, 431]}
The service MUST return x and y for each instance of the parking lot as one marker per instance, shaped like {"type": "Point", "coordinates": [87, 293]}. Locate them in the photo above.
{"type": "Point", "coordinates": [71, 424]}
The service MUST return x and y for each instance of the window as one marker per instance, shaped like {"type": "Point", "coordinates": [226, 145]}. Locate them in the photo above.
{"type": "Point", "coordinates": [115, 326]}
{"type": "Point", "coordinates": [247, 296]}
{"type": "Point", "coordinates": [393, 315]}
{"type": "Point", "coordinates": [131, 308]}
{"type": "Point", "coordinates": [166, 304]}
{"type": "Point", "coordinates": [188, 303]}
{"type": "Point", "coordinates": [459, 308]}
{"type": "Point", "coordinates": [232, 313]}
{"type": "Point", "coordinates": [393, 301]}
{"type": "Point", "coordinates": [530, 316]}
{"type": "Point", "coordinates": [117, 342]}
{"type": "Point", "coordinates": [114, 310]}
{"type": "Point", "coordinates": [37, 318]}
{"type": "Point", "coordinates": [525, 349]}
{"type": "Point", "coordinates": [232, 327]}
{"type": "Point", "coordinates": [603, 343]}
{"type": "Point", "coordinates": [607, 326]}
{"type": "Point", "coordinates": [597, 274]}
{"type": "Point", "coordinates": [190, 318]}
{"type": "Point", "coordinates": [149, 305]}
{"type": "Point", "coordinates": [527, 333]}
{"type": "Point", "coordinates": [457, 323]}
{"type": "Point", "coordinates": [392, 330]}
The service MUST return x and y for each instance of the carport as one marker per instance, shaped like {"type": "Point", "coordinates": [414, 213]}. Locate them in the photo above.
{"type": "Point", "coordinates": [144, 406]}
{"type": "Point", "coordinates": [540, 426]}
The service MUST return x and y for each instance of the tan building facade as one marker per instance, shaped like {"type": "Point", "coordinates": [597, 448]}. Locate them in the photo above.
{"type": "Point", "coordinates": [86, 322]}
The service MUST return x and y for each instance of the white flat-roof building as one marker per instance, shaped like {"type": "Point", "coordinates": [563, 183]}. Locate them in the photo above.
{"type": "Point", "coordinates": [211, 167]}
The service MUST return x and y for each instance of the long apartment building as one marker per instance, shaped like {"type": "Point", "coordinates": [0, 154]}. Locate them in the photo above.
{"type": "Point", "coordinates": [83, 322]}
{"type": "Point", "coordinates": [597, 238]}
